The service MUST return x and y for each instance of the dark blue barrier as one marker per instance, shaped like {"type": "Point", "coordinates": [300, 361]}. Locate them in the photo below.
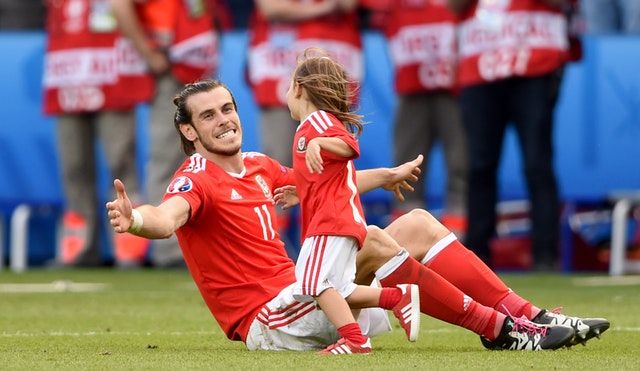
{"type": "Point", "coordinates": [597, 128]}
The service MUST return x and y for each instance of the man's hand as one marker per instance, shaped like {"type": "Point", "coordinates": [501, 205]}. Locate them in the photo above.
{"type": "Point", "coordinates": [119, 210]}
{"type": "Point", "coordinates": [286, 197]}
{"type": "Point", "coordinates": [401, 176]}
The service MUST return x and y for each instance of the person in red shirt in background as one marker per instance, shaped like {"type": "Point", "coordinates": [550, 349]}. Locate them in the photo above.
{"type": "Point", "coordinates": [221, 205]}
{"type": "Point", "coordinates": [278, 31]}
{"type": "Point", "coordinates": [422, 46]}
{"type": "Point", "coordinates": [512, 54]}
{"type": "Point", "coordinates": [89, 71]}
{"type": "Point", "coordinates": [179, 44]}
{"type": "Point", "coordinates": [333, 225]}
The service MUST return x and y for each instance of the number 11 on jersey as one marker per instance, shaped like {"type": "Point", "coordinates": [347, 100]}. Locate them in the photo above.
{"type": "Point", "coordinates": [265, 222]}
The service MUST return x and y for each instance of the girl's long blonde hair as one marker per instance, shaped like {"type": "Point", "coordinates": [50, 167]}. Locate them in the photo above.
{"type": "Point", "coordinates": [328, 86]}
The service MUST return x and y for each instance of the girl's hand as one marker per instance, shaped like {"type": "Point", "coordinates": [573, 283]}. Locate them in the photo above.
{"type": "Point", "coordinates": [313, 157]}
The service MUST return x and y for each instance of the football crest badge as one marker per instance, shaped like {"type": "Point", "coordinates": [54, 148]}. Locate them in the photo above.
{"type": "Point", "coordinates": [264, 186]}
{"type": "Point", "coordinates": [302, 144]}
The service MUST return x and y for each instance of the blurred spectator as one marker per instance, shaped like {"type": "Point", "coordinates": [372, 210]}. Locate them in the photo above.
{"type": "Point", "coordinates": [422, 44]}
{"type": "Point", "coordinates": [178, 41]}
{"type": "Point", "coordinates": [223, 18]}
{"type": "Point", "coordinates": [89, 72]}
{"type": "Point", "coordinates": [511, 57]}
{"type": "Point", "coordinates": [279, 30]}
{"type": "Point", "coordinates": [239, 10]}
{"type": "Point", "coordinates": [611, 16]}
{"type": "Point", "coordinates": [22, 14]}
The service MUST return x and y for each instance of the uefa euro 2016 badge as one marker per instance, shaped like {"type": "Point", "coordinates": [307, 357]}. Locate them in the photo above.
{"type": "Point", "coordinates": [180, 184]}
{"type": "Point", "coordinates": [302, 144]}
{"type": "Point", "coordinates": [264, 186]}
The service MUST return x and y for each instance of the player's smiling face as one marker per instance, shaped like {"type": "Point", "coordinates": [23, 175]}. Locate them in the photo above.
{"type": "Point", "coordinates": [215, 122]}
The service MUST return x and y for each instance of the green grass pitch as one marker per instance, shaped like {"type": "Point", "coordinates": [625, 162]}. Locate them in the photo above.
{"type": "Point", "coordinates": [148, 319]}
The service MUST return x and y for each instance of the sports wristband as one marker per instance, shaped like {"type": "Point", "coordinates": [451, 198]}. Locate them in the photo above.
{"type": "Point", "coordinates": [136, 223]}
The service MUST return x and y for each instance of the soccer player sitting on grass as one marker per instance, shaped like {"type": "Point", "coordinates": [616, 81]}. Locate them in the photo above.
{"type": "Point", "coordinates": [333, 225]}
{"type": "Point", "coordinates": [221, 206]}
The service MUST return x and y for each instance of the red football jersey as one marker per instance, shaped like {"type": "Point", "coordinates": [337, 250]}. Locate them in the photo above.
{"type": "Point", "coordinates": [231, 243]}
{"type": "Point", "coordinates": [329, 201]}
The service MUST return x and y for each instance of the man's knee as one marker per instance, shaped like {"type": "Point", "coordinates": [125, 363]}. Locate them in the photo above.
{"type": "Point", "coordinates": [379, 244]}
{"type": "Point", "coordinates": [420, 213]}
{"type": "Point", "coordinates": [419, 221]}
{"type": "Point", "coordinates": [417, 231]}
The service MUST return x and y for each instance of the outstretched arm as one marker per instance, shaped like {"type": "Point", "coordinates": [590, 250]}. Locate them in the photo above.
{"type": "Point", "coordinates": [393, 179]}
{"type": "Point", "coordinates": [153, 222]}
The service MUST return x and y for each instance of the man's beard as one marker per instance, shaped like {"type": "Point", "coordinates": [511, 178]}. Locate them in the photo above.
{"type": "Point", "coordinates": [221, 152]}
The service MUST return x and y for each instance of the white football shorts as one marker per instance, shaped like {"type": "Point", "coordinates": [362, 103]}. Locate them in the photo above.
{"type": "Point", "coordinates": [287, 324]}
{"type": "Point", "coordinates": [325, 262]}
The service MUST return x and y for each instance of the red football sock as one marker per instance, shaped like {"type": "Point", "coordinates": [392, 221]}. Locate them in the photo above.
{"type": "Point", "coordinates": [353, 333]}
{"type": "Point", "coordinates": [442, 300]}
{"type": "Point", "coordinates": [482, 320]}
{"type": "Point", "coordinates": [467, 272]}
{"type": "Point", "coordinates": [389, 297]}
{"type": "Point", "coordinates": [516, 306]}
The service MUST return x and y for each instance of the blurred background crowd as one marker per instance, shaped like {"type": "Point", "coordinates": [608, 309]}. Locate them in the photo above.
{"type": "Point", "coordinates": [464, 73]}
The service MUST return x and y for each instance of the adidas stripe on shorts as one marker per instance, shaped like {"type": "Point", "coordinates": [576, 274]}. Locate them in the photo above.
{"type": "Point", "coordinates": [288, 324]}
{"type": "Point", "coordinates": [325, 262]}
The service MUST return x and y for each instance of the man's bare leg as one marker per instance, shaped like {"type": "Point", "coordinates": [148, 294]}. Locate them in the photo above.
{"type": "Point", "coordinates": [417, 231]}
{"type": "Point", "coordinates": [381, 256]}
{"type": "Point", "coordinates": [433, 245]}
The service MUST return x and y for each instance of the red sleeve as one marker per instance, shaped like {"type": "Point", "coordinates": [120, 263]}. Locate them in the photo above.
{"type": "Point", "coordinates": [339, 131]}
{"type": "Point", "coordinates": [280, 174]}
{"type": "Point", "coordinates": [184, 186]}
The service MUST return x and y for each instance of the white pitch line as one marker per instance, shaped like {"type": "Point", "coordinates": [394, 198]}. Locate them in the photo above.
{"type": "Point", "coordinates": [101, 333]}
{"type": "Point", "coordinates": [607, 281]}
{"type": "Point", "coordinates": [190, 333]}
{"type": "Point", "coordinates": [53, 287]}
{"type": "Point", "coordinates": [626, 329]}
{"type": "Point", "coordinates": [129, 333]}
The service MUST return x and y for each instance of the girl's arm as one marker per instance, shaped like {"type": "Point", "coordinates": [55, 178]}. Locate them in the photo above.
{"type": "Point", "coordinates": [334, 145]}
